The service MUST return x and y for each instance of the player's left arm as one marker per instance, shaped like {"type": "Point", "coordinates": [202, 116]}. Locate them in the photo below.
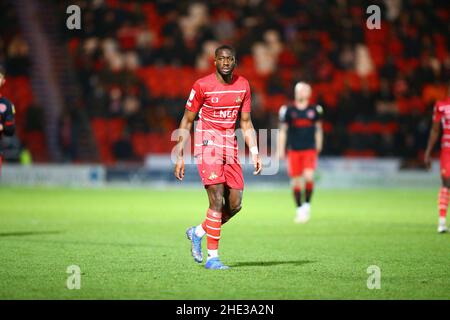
{"type": "Point", "coordinates": [319, 136]}
{"type": "Point", "coordinates": [250, 139]}
{"type": "Point", "coordinates": [319, 129]}
{"type": "Point", "coordinates": [8, 125]}
{"type": "Point", "coordinates": [434, 135]}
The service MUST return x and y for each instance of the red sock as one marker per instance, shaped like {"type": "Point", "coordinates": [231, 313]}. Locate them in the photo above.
{"type": "Point", "coordinates": [212, 225]}
{"type": "Point", "coordinates": [443, 202]}
{"type": "Point", "coordinates": [204, 225]}
{"type": "Point", "coordinates": [309, 186]}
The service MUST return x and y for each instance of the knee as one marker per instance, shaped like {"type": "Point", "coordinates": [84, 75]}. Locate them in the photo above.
{"type": "Point", "coordinates": [447, 183]}
{"type": "Point", "coordinates": [296, 182]}
{"type": "Point", "coordinates": [236, 206]}
{"type": "Point", "coordinates": [309, 176]}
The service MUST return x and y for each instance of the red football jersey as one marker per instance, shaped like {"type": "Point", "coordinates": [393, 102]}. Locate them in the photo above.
{"type": "Point", "coordinates": [441, 114]}
{"type": "Point", "coordinates": [218, 105]}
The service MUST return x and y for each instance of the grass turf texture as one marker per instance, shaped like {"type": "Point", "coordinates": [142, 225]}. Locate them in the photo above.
{"type": "Point", "coordinates": [130, 244]}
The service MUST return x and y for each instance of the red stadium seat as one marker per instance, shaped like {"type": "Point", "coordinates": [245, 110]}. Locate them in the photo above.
{"type": "Point", "coordinates": [139, 143]}
{"type": "Point", "coordinates": [36, 143]}
{"type": "Point", "coordinates": [100, 129]}
{"type": "Point", "coordinates": [274, 102]}
{"type": "Point", "coordinates": [115, 129]}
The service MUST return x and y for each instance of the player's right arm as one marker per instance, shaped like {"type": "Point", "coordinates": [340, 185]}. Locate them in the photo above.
{"type": "Point", "coordinates": [193, 104]}
{"type": "Point", "coordinates": [434, 135]}
{"type": "Point", "coordinates": [282, 137]}
{"type": "Point", "coordinates": [183, 135]}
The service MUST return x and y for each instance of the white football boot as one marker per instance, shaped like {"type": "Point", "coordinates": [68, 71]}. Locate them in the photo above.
{"type": "Point", "coordinates": [442, 226]}
{"type": "Point", "coordinates": [302, 214]}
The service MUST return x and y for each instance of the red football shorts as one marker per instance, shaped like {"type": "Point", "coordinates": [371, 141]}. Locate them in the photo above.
{"type": "Point", "coordinates": [299, 160]}
{"type": "Point", "coordinates": [445, 163]}
{"type": "Point", "coordinates": [217, 166]}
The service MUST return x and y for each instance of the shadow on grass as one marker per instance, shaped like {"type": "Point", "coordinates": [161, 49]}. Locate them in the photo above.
{"type": "Point", "coordinates": [27, 233]}
{"type": "Point", "coordinates": [269, 263]}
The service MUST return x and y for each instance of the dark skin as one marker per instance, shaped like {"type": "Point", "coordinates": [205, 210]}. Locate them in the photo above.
{"type": "Point", "coordinates": [221, 198]}
{"type": "Point", "coordinates": [2, 82]}
{"type": "Point", "coordinates": [434, 136]}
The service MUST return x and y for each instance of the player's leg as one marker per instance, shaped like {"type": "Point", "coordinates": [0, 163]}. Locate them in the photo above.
{"type": "Point", "coordinates": [295, 169]}
{"type": "Point", "coordinates": [210, 168]}
{"type": "Point", "coordinates": [301, 211]}
{"type": "Point", "coordinates": [443, 204]}
{"type": "Point", "coordinates": [308, 175]}
{"type": "Point", "coordinates": [296, 184]}
{"type": "Point", "coordinates": [444, 190]}
{"type": "Point", "coordinates": [232, 203]}
{"type": "Point", "coordinates": [309, 165]}
{"type": "Point", "coordinates": [234, 186]}
{"type": "Point", "coordinates": [305, 210]}
{"type": "Point", "coordinates": [213, 224]}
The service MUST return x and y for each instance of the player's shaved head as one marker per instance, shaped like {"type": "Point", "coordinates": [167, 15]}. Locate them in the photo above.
{"type": "Point", "coordinates": [302, 92]}
{"type": "Point", "coordinates": [224, 47]}
{"type": "Point", "coordinates": [302, 88]}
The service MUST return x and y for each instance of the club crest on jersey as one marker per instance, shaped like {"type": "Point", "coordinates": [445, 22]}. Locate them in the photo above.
{"type": "Point", "coordinates": [2, 107]}
{"type": "Point", "coordinates": [310, 114]}
{"type": "Point", "coordinates": [238, 100]}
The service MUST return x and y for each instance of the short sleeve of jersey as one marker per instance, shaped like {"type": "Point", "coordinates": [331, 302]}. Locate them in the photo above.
{"type": "Point", "coordinates": [283, 114]}
{"type": "Point", "coordinates": [246, 104]}
{"type": "Point", "coordinates": [7, 109]}
{"type": "Point", "coordinates": [437, 114]}
{"type": "Point", "coordinates": [319, 112]}
{"type": "Point", "coordinates": [196, 98]}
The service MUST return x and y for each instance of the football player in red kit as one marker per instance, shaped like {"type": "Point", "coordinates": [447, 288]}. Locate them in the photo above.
{"type": "Point", "coordinates": [301, 132]}
{"type": "Point", "coordinates": [220, 99]}
{"type": "Point", "coordinates": [441, 116]}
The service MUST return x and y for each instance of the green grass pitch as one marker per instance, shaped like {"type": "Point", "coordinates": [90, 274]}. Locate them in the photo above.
{"type": "Point", "coordinates": [130, 244]}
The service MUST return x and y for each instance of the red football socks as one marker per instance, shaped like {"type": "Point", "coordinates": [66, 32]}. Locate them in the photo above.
{"type": "Point", "coordinates": [212, 226]}
{"type": "Point", "coordinates": [309, 186]}
{"type": "Point", "coordinates": [443, 202]}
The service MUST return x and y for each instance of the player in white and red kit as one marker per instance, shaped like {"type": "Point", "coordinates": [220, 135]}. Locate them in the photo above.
{"type": "Point", "coordinates": [441, 115]}
{"type": "Point", "coordinates": [220, 99]}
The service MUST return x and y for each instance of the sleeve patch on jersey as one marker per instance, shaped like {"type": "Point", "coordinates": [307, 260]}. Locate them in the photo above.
{"type": "Point", "coordinates": [282, 113]}
{"type": "Point", "coordinates": [319, 109]}
{"type": "Point", "coordinates": [3, 107]}
{"type": "Point", "coordinates": [191, 95]}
